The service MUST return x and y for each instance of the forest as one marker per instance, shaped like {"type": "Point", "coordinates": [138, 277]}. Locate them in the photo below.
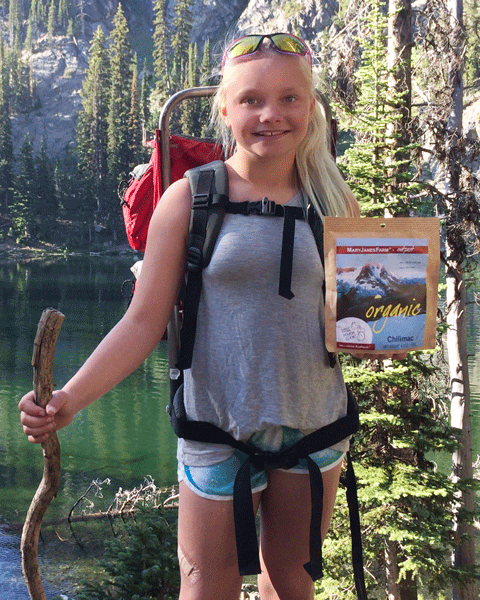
{"type": "Point", "coordinates": [397, 77]}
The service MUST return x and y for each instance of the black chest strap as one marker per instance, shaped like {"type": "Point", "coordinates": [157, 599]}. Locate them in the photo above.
{"type": "Point", "coordinates": [244, 517]}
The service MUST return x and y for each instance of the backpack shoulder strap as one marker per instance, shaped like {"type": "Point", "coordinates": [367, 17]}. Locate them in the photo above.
{"type": "Point", "coordinates": [316, 225]}
{"type": "Point", "coordinates": [209, 186]}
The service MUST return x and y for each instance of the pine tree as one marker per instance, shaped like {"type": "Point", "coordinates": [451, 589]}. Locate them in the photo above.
{"type": "Point", "coordinates": [134, 117]}
{"type": "Point", "coordinates": [24, 205]}
{"type": "Point", "coordinates": [46, 200]}
{"type": "Point", "coordinates": [14, 21]}
{"type": "Point", "coordinates": [405, 502]}
{"type": "Point", "coordinates": [52, 18]}
{"type": "Point", "coordinates": [118, 144]}
{"type": "Point", "coordinates": [70, 194]}
{"type": "Point", "coordinates": [145, 100]}
{"type": "Point", "coordinates": [63, 14]}
{"type": "Point", "coordinates": [472, 46]}
{"type": "Point", "coordinates": [161, 62]}
{"type": "Point", "coordinates": [189, 124]}
{"type": "Point", "coordinates": [6, 145]}
{"type": "Point", "coordinates": [375, 189]}
{"type": "Point", "coordinates": [92, 130]}
{"type": "Point", "coordinates": [205, 75]}
{"type": "Point", "coordinates": [180, 41]}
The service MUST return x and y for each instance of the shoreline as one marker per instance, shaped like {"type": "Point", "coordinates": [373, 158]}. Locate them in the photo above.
{"type": "Point", "coordinates": [10, 252]}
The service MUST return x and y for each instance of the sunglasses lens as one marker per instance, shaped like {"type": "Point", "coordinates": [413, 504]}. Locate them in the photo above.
{"type": "Point", "coordinates": [287, 43]}
{"type": "Point", "coordinates": [244, 46]}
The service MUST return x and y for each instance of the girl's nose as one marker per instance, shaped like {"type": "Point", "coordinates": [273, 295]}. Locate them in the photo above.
{"type": "Point", "coordinates": [270, 112]}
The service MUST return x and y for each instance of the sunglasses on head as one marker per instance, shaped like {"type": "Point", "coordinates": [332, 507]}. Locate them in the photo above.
{"type": "Point", "coordinates": [286, 43]}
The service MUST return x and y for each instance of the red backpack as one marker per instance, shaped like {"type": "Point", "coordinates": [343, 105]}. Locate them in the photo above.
{"type": "Point", "coordinates": [141, 193]}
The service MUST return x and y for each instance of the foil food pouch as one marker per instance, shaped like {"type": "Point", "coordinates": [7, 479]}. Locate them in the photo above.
{"type": "Point", "coordinates": [381, 284]}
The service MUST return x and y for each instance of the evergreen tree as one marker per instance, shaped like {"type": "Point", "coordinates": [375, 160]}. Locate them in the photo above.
{"type": "Point", "coordinates": [52, 18]}
{"type": "Point", "coordinates": [180, 41]}
{"type": "Point", "coordinates": [63, 14]}
{"type": "Point", "coordinates": [69, 193]}
{"type": "Point", "coordinates": [205, 75]}
{"type": "Point", "coordinates": [145, 100]}
{"type": "Point", "coordinates": [118, 144]}
{"type": "Point", "coordinates": [24, 205]}
{"type": "Point", "coordinates": [189, 110]}
{"type": "Point", "coordinates": [373, 118]}
{"type": "Point", "coordinates": [46, 200]}
{"type": "Point", "coordinates": [134, 117]}
{"type": "Point", "coordinates": [472, 46]}
{"type": "Point", "coordinates": [92, 131]}
{"type": "Point", "coordinates": [161, 66]}
{"type": "Point", "coordinates": [6, 146]}
{"type": "Point", "coordinates": [405, 502]}
{"type": "Point", "coordinates": [14, 21]}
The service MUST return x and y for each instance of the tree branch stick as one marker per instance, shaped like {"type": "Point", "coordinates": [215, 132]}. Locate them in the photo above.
{"type": "Point", "coordinates": [42, 363]}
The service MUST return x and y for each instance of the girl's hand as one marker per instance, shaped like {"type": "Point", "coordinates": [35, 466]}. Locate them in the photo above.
{"type": "Point", "coordinates": [38, 423]}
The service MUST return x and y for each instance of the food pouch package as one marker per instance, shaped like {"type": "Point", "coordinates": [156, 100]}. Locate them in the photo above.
{"type": "Point", "coordinates": [381, 284]}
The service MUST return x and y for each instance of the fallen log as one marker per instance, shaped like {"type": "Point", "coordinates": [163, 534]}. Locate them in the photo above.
{"type": "Point", "coordinates": [42, 363]}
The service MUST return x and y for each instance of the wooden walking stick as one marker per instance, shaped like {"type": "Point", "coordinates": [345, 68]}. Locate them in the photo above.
{"type": "Point", "coordinates": [42, 363]}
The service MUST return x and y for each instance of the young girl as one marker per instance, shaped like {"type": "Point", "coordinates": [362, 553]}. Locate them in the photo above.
{"type": "Point", "coordinates": [260, 369]}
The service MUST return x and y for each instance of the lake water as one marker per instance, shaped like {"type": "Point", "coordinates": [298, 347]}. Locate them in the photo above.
{"type": "Point", "coordinates": [125, 436]}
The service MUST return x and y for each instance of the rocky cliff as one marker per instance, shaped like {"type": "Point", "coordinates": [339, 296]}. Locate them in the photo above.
{"type": "Point", "coordinates": [59, 64]}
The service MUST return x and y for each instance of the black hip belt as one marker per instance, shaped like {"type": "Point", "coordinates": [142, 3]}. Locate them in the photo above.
{"type": "Point", "coordinates": [244, 517]}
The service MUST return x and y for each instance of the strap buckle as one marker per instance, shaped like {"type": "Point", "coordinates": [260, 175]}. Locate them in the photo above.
{"type": "Point", "coordinates": [201, 200]}
{"type": "Point", "coordinates": [268, 206]}
{"type": "Point", "coordinates": [194, 259]}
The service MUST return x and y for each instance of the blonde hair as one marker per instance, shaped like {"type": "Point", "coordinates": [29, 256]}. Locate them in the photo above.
{"type": "Point", "coordinates": [320, 179]}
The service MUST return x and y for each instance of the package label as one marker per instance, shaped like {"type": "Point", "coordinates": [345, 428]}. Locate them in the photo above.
{"type": "Point", "coordinates": [381, 284]}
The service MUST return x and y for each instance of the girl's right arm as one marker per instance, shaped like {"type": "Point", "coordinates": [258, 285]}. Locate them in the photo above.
{"type": "Point", "coordinates": [136, 335]}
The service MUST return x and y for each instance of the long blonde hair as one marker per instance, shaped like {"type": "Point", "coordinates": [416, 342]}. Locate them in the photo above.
{"type": "Point", "coordinates": [319, 176]}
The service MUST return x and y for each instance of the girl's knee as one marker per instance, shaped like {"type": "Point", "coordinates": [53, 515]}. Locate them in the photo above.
{"type": "Point", "coordinates": [286, 584]}
{"type": "Point", "coordinates": [214, 579]}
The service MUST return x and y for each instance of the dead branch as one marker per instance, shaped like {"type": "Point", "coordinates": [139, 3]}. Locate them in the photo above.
{"type": "Point", "coordinates": [42, 363]}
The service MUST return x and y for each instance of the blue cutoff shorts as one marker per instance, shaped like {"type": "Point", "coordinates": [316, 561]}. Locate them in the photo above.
{"type": "Point", "coordinates": [215, 482]}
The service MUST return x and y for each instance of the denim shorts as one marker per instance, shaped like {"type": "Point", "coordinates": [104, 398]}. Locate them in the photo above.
{"type": "Point", "coordinates": [216, 481]}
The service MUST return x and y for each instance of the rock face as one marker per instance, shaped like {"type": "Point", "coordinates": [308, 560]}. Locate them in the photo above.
{"type": "Point", "coordinates": [59, 64]}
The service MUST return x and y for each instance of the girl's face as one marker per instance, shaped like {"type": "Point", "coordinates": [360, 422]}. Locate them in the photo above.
{"type": "Point", "coordinates": [267, 104]}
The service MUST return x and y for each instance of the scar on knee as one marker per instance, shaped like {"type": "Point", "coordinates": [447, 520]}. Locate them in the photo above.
{"type": "Point", "coordinates": [188, 568]}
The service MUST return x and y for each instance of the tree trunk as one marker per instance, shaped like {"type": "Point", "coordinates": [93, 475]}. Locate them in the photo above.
{"type": "Point", "coordinates": [462, 464]}
{"type": "Point", "coordinates": [392, 590]}
{"type": "Point", "coordinates": [399, 57]}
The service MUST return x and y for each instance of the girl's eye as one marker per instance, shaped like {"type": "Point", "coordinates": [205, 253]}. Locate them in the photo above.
{"type": "Point", "coordinates": [290, 99]}
{"type": "Point", "coordinates": [249, 101]}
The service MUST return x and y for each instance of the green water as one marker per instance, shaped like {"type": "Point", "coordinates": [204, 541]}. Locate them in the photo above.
{"type": "Point", "coordinates": [126, 435]}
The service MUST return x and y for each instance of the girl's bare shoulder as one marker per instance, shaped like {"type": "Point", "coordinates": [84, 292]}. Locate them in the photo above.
{"type": "Point", "coordinates": [172, 212]}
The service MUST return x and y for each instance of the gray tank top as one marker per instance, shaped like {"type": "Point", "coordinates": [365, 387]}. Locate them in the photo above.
{"type": "Point", "coordinates": [259, 359]}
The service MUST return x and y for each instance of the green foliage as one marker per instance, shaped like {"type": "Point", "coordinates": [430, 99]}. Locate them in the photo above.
{"type": "Point", "coordinates": [381, 177]}
{"type": "Point", "coordinates": [6, 148]}
{"type": "Point", "coordinates": [24, 205]}
{"type": "Point", "coordinates": [472, 46]}
{"type": "Point", "coordinates": [46, 200]}
{"type": "Point", "coordinates": [406, 501]}
{"type": "Point", "coordinates": [140, 564]}
{"type": "Point", "coordinates": [92, 131]}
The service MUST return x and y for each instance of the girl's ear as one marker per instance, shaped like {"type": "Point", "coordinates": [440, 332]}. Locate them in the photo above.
{"type": "Point", "coordinates": [223, 112]}
{"type": "Point", "coordinates": [312, 107]}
